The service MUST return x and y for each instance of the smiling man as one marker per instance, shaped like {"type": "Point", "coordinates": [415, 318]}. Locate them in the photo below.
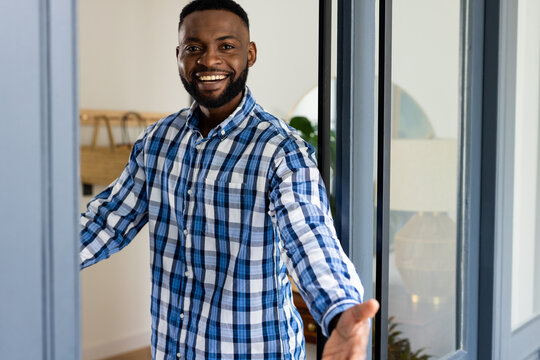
{"type": "Point", "coordinates": [234, 202]}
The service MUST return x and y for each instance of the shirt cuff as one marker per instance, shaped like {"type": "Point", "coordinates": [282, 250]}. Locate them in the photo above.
{"type": "Point", "coordinates": [334, 310]}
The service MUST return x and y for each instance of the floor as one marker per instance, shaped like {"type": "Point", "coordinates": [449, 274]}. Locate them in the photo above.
{"type": "Point", "coordinates": [141, 354]}
{"type": "Point", "coordinates": [144, 354]}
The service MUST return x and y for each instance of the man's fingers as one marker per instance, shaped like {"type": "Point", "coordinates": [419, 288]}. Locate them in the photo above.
{"type": "Point", "coordinates": [366, 309]}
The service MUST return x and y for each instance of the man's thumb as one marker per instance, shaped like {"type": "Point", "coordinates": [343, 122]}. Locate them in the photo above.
{"type": "Point", "coordinates": [366, 310]}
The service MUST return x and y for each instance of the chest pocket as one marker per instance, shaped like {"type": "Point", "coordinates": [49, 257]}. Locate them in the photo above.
{"type": "Point", "coordinates": [230, 209]}
{"type": "Point", "coordinates": [225, 201]}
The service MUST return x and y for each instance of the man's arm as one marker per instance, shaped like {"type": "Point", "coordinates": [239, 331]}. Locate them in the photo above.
{"type": "Point", "coordinates": [117, 214]}
{"type": "Point", "coordinates": [325, 276]}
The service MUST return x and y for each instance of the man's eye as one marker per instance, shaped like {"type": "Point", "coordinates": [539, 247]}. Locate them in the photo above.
{"type": "Point", "coordinates": [228, 47]}
{"type": "Point", "coordinates": [192, 48]}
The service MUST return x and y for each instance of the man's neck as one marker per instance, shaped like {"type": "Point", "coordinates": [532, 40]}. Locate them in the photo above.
{"type": "Point", "coordinates": [212, 117]}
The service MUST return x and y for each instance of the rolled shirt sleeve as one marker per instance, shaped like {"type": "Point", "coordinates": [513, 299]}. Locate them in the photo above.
{"type": "Point", "coordinates": [324, 275]}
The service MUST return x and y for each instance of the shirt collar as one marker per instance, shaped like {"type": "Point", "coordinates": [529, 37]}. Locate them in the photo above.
{"type": "Point", "coordinates": [234, 120]}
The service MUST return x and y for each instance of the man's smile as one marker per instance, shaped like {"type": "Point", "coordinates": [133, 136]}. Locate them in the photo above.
{"type": "Point", "coordinates": [211, 81]}
{"type": "Point", "coordinates": [210, 77]}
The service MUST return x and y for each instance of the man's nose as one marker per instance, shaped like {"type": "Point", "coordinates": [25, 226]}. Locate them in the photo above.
{"type": "Point", "coordinates": [209, 58]}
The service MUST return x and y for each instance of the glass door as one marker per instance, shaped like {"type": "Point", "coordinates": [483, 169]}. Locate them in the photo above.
{"type": "Point", "coordinates": [425, 132]}
{"type": "Point", "coordinates": [426, 250]}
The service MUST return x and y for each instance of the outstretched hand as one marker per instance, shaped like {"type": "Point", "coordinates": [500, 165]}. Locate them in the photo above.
{"type": "Point", "coordinates": [351, 334]}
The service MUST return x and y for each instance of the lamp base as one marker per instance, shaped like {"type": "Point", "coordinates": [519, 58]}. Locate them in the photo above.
{"type": "Point", "coordinates": [425, 250]}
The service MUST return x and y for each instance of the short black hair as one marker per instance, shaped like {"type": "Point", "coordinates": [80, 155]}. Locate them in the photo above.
{"type": "Point", "coordinates": [199, 5]}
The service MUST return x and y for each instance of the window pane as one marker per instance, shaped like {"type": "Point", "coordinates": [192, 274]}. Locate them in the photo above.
{"type": "Point", "coordinates": [423, 189]}
{"type": "Point", "coordinates": [526, 228]}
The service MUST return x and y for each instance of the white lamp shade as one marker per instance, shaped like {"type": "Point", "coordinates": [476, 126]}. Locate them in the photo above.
{"type": "Point", "coordinates": [423, 175]}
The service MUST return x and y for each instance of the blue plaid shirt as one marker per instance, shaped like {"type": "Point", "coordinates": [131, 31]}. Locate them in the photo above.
{"type": "Point", "coordinates": [229, 216]}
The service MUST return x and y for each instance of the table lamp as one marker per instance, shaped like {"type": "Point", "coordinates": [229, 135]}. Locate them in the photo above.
{"type": "Point", "coordinates": [423, 180]}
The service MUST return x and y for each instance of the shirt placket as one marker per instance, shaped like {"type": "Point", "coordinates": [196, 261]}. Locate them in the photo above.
{"type": "Point", "coordinates": [188, 207]}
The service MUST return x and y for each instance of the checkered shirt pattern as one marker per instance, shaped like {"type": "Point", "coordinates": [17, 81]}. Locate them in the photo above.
{"type": "Point", "coordinates": [229, 216]}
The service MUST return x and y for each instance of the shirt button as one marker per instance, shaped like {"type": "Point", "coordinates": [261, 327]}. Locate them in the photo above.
{"type": "Point", "coordinates": [189, 192]}
{"type": "Point", "coordinates": [185, 232]}
{"type": "Point", "coordinates": [186, 273]}
{"type": "Point", "coordinates": [181, 315]}
{"type": "Point", "coordinates": [178, 355]}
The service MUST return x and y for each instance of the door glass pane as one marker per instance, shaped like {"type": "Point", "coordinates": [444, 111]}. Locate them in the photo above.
{"type": "Point", "coordinates": [423, 188]}
{"type": "Point", "coordinates": [526, 219]}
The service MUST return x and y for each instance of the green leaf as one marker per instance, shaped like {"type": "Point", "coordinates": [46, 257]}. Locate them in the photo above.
{"type": "Point", "coordinates": [303, 125]}
{"type": "Point", "coordinates": [400, 348]}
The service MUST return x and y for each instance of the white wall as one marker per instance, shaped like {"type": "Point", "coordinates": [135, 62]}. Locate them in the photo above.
{"type": "Point", "coordinates": [127, 55]}
{"type": "Point", "coordinates": [286, 34]}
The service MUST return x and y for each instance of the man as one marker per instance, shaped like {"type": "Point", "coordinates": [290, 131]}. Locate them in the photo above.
{"type": "Point", "coordinates": [234, 202]}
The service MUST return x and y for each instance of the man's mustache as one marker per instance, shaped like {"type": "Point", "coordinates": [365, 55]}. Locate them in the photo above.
{"type": "Point", "coordinates": [204, 68]}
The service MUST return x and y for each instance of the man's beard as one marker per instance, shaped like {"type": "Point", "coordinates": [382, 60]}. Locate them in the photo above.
{"type": "Point", "coordinates": [233, 88]}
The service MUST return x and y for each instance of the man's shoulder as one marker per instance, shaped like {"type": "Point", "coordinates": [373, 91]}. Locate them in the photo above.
{"type": "Point", "coordinates": [282, 141]}
{"type": "Point", "coordinates": [175, 120]}
{"type": "Point", "coordinates": [162, 127]}
{"type": "Point", "coordinates": [276, 129]}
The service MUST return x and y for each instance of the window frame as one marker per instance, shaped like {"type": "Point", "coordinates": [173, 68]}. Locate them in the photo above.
{"type": "Point", "coordinates": [355, 129]}
{"type": "Point", "coordinates": [522, 342]}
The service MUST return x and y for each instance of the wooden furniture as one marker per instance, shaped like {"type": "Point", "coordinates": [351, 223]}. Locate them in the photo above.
{"type": "Point", "coordinates": [310, 326]}
{"type": "Point", "coordinates": [88, 116]}
{"type": "Point", "coordinates": [139, 354]}
{"type": "Point", "coordinates": [102, 164]}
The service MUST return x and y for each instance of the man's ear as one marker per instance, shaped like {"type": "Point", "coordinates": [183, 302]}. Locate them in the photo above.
{"type": "Point", "coordinates": [252, 54]}
{"type": "Point", "coordinates": [177, 51]}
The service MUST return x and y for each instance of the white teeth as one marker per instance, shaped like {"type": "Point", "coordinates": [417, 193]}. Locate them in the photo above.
{"type": "Point", "coordinates": [212, 77]}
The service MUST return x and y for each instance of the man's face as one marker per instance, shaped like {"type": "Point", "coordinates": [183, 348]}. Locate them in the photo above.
{"type": "Point", "coordinates": [214, 54]}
